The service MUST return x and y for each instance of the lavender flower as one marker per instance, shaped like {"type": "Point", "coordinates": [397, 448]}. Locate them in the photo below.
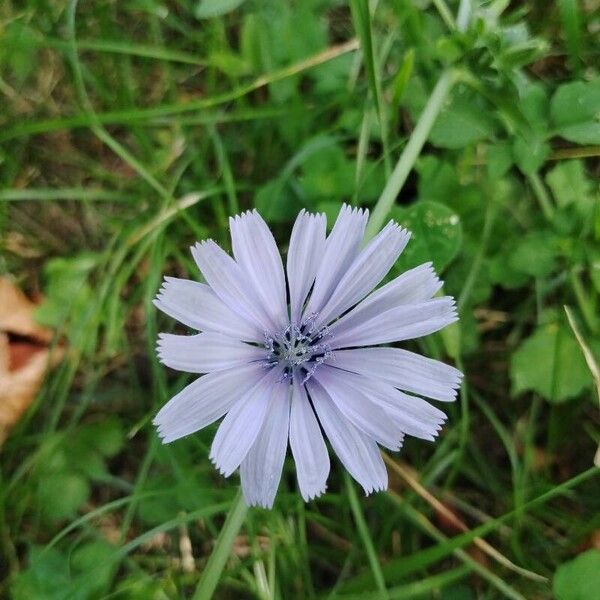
{"type": "Point", "coordinates": [288, 362]}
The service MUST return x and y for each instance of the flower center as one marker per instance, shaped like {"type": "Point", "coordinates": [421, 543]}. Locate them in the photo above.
{"type": "Point", "coordinates": [299, 349]}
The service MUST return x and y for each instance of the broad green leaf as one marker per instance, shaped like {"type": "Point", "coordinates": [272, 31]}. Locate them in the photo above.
{"type": "Point", "coordinates": [67, 293]}
{"type": "Point", "coordinates": [95, 559]}
{"type": "Point", "coordinates": [438, 179]}
{"type": "Point", "coordinates": [107, 436]}
{"type": "Point", "coordinates": [332, 76]}
{"type": "Point", "coordinates": [575, 111]}
{"type": "Point", "coordinates": [464, 121]}
{"type": "Point", "coordinates": [578, 579]}
{"type": "Point", "coordinates": [550, 363]}
{"type": "Point", "coordinates": [47, 576]}
{"type": "Point", "coordinates": [61, 493]}
{"type": "Point", "coordinates": [436, 234]}
{"type": "Point", "coordinates": [277, 202]}
{"type": "Point", "coordinates": [530, 152]}
{"type": "Point", "coordinates": [499, 159]}
{"type": "Point", "coordinates": [54, 575]}
{"type": "Point", "coordinates": [19, 50]}
{"type": "Point", "coordinates": [206, 9]}
{"type": "Point", "coordinates": [569, 185]}
{"type": "Point", "coordinates": [327, 174]}
{"type": "Point", "coordinates": [535, 106]}
{"type": "Point", "coordinates": [534, 254]}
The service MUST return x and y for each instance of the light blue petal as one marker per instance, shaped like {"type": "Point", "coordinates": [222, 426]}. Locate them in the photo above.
{"type": "Point", "coordinates": [414, 416]}
{"type": "Point", "coordinates": [400, 323]}
{"type": "Point", "coordinates": [404, 370]}
{"type": "Point", "coordinates": [241, 426]}
{"type": "Point", "coordinates": [260, 471]}
{"type": "Point", "coordinates": [194, 304]}
{"type": "Point", "coordinates": [257, 254]}
{"type": "Point", "coordinates": [204, 401]}
{"type": "Point", "coordinates": [412, 287]}
{"type": "Point", "coordinates": [359, 407]}
{"type": "Point", "coordinates": [305, 253]}
{"type": "Point", "coordinates": [341, 248]}
{"type": "Point", "coordinates": [229, 282]}
{"type": "Point", "coordinates": [205, 352]}
{"type": "Point", "coordinates": [308, 446]}
{"type": "Point", "coordinates": [357, 452]}
{"type": "Point", "coordinates": [367, 270]}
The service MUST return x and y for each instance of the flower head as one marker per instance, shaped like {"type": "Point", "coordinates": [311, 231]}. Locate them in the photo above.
{"type": "Point", "coordinates": [291, 358]}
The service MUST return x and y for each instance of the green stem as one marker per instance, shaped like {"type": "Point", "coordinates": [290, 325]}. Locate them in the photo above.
{"type": "Point", "coordinates": [583, 300]}
{"type": "Point", "coordinates": [490, 215]}
{"type": "Point", "coordinates": [464, 13]}
{"type": "Point", "coordinates": [363, 531]}
{"type": "Point", "coordinates": [411, 152]}
{"type": "Point", "coordinates": [445, 13]}
{"type": "Point", "coordinates": [214, 567]}
{"type": "Point", "coordinates": [542, 195]}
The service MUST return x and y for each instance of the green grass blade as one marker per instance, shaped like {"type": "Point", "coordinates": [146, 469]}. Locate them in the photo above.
{"type": "Point", "coordinates": [216, 563]}
{"type": "Point", "coordinates": [411, 152]}
{"type": "Point", "coordinates": [365, 537]}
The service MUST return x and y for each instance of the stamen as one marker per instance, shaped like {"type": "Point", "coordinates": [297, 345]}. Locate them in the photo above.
{"type": "Point", "coordinates": [298, 347]}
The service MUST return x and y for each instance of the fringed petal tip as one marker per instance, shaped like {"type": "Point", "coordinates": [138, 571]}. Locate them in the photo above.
{"type": "Point", "coordinates": [166, 287]}
{"type": "Point", "coordinates": [162, 434]}
{"type": "Point", "coordinates": [259, 503]}
{"type": "Point", "coordinates": [405, 233]}
{"type": "Point", "coordinates": [160, 348]}
{"type": "Point", "coordinates": [382, 487]}
{"type": "Point", "coordinates": [225, 472]}
{"type": "Point", "coordinates": [399, 444]}
{"type": "Point", "coordinates": [308, 495]}
{"type": "Point", "coordinates": [349, 210]}
{"type": "Point", "coordinates": [247, 214]}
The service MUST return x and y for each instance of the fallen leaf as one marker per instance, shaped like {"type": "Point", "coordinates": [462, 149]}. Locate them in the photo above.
{"type": "Point", "coordinates": [25, 354]}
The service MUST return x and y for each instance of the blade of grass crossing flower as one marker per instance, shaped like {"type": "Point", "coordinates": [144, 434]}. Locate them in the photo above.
{"type": "Point", "coordinates": [216, 563]}
{"type": "Point", "coordinates": [363, 531]}
{"type": "Point", "coordinates": [411, 152]}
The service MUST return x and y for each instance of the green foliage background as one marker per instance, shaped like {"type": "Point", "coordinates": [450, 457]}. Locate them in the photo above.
{"type": "Point", "coordinates": [128, 130]}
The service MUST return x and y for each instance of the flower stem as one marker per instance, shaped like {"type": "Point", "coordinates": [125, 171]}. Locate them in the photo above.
{"type": "Point", "coordinates": [363, 531]}
{"type": "Point", "coordinates": [411, 151]}
{"type": "Point", "coordinates": [216, 562]}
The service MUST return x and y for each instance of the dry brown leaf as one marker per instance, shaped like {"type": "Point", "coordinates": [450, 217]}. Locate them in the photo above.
{"type": "Point", "coordinates": [25, 354]}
